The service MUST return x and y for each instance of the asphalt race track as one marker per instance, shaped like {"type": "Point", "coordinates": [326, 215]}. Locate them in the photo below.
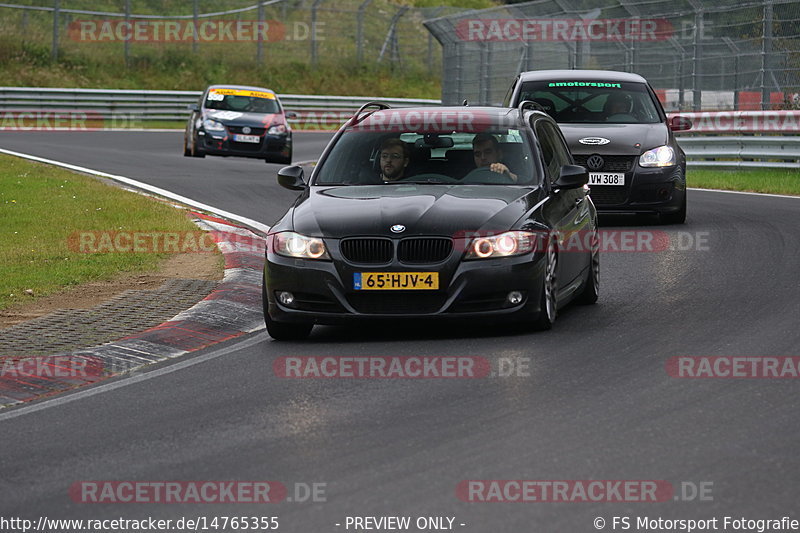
{"type": "Point", "coordinates": [594, 403]}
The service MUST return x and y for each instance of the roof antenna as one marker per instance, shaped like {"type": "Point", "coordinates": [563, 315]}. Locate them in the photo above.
{"type": "Point", "coordinates": [465, 103]}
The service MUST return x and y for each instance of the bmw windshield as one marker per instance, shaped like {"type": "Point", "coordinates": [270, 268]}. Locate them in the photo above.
{"type": "Point", "coordinates": [495, 155]}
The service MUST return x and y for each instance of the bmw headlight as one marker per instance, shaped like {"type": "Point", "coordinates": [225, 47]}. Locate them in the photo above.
{"type": "Point", "coordinates": [663, 156]}
{"type": "Point", "coordinates": [504, 245]}
{"type": "Point", "coordinates": [277, 129]}
{"type": "Point", "coordinates": [291, 244]}
{"type": "Point", "coordinates": [213, 125]}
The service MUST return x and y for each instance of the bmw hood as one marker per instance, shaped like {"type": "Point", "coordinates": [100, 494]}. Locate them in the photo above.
{"type": "Point", "coordinates": [622, 138]}
{"type": "Point", "coordinates": [236, 118]}
{"type": "Point", "coordinates": [444, 210]}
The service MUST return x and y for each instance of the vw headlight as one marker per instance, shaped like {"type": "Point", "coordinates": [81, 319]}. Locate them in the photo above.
{"type": "Point", "coordinates": [277, 129]}
{"type": "Point", "coordinates": [663, 156]}
{"type": "Point", "coordinates": [504, 245]}
{"type": "Point", "coordinates": [213, 125]}
{"type": "Point", "coordinates": [291, 244]}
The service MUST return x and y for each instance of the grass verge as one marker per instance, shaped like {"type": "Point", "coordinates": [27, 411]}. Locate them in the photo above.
{"type": "Point", "coordinates": [43, 207]}
{"type": "Point", "coordinates": [773, 181]}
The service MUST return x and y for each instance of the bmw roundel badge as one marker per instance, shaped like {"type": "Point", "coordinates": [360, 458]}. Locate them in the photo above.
{"type": "Point", "coordinates": [398, 228]}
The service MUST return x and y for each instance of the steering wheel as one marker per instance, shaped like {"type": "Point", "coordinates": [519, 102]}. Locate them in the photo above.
{"type": "Point", "coordinates": [621, 117]}
{"type": "Point", "coordinates": [484, 176]}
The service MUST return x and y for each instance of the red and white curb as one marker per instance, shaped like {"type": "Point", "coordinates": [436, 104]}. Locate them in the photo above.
{"type": "Point", "coordinates": [232, 309]}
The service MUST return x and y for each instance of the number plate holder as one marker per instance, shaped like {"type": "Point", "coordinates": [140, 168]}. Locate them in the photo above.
{"type": "Point", "coordinates": [606, 178]}
{"type": "Point", "coordinates": [395, 281]}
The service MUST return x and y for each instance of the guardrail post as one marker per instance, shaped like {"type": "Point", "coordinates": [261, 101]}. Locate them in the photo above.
{"type": "Point", "coordinates": [56, 13]}
{"type": "Point", "coordinates": [766, 52]}
{"type": "Point", "coordinates": [697, 91]}
{"type": "Point", "coordinates": [434, 14]}
{"type": "Point", "coordinates": [314, 31]}
{"type": "Point", "coordinates": [260, 43]}
{"type": "Point", "coordinates": [127, 43]}
{"type": "Point", "coordinates": [195, 20]}
{"type": "Point", "coordinates": [360, 30]}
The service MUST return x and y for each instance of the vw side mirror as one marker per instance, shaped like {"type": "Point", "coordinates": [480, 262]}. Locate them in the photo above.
{"type": "Point", "coordinates": [679, 123]}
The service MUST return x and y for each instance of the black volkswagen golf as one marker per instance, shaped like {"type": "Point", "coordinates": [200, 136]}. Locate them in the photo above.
{"type": "Point", "coordinates": [436, 212]}
{"type": "Point", "coordinates": [615, 126]}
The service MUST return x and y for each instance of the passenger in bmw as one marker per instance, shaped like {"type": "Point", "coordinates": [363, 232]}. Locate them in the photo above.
{"type": "Point", "coordinates": [487, 153]}
{"type": "Point", "coordinates": [394, 157]}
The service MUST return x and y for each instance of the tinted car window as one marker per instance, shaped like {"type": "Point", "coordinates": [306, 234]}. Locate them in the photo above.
{"type": "Point", "coordinates": [554, 153]}
{"type": "Point", "coordinates": [241, 103]}
{"type": "Point", "coordinates": [587, 102]}
{"type": "Point", "coordinates": [354, 159]}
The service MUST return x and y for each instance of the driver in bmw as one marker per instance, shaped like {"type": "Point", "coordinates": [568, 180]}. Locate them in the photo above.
{"type": "Point", "coordinates": [394, 158]}
{"type": "Point", "coordinates": [487, 153]}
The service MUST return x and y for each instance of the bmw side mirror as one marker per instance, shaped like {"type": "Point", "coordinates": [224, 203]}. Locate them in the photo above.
{"type": "Point", "coordinates": [292, 178]}
{"type": "Point", "coordinates": [193, 107]}
{"type": "Point", "coordinates": [571, 177]}
{"type": "Point", "coordinates": [679, 123]}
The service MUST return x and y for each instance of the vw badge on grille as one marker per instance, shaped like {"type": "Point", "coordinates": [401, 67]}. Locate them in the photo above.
{"type": "Point", "coordinates": [245, 130]}
{"type": "Point", "coordinates": [595, 162]}
{"type": "Point", "coordinates": [594, 141]}
{"type": "Point", "coordinates": [398, 228]}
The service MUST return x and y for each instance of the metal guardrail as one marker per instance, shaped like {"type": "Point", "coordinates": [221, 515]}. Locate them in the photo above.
{"type": "Point", "coordinates": [144, 105]}
{"type": "Point", "coordinates": [763, 151]}
{"type": "Point", "coordinates": [769, 146]}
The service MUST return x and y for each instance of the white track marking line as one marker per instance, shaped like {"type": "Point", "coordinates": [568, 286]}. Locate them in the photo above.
{"type": "Point", "coordinates": [125, 381]}
{"type": "Point", "coordinates": [746, 192]}
{"type": "Point", "coordinates": [144, 186]}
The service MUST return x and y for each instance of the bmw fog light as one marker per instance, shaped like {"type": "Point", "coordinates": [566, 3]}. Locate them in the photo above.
{"type": "Point", "coordinates": [514, 297]}
{"type": "Point", "coordinates": [286, 297]}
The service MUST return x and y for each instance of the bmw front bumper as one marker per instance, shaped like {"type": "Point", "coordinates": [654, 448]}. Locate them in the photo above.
{"type": "Point", "coordinates": [324, 291]}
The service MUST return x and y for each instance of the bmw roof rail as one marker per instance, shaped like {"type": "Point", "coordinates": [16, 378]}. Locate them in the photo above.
{"type": "Point", "coordinates": [529, 104]}
{"type": "Point", "coordinates": [357, 116]}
